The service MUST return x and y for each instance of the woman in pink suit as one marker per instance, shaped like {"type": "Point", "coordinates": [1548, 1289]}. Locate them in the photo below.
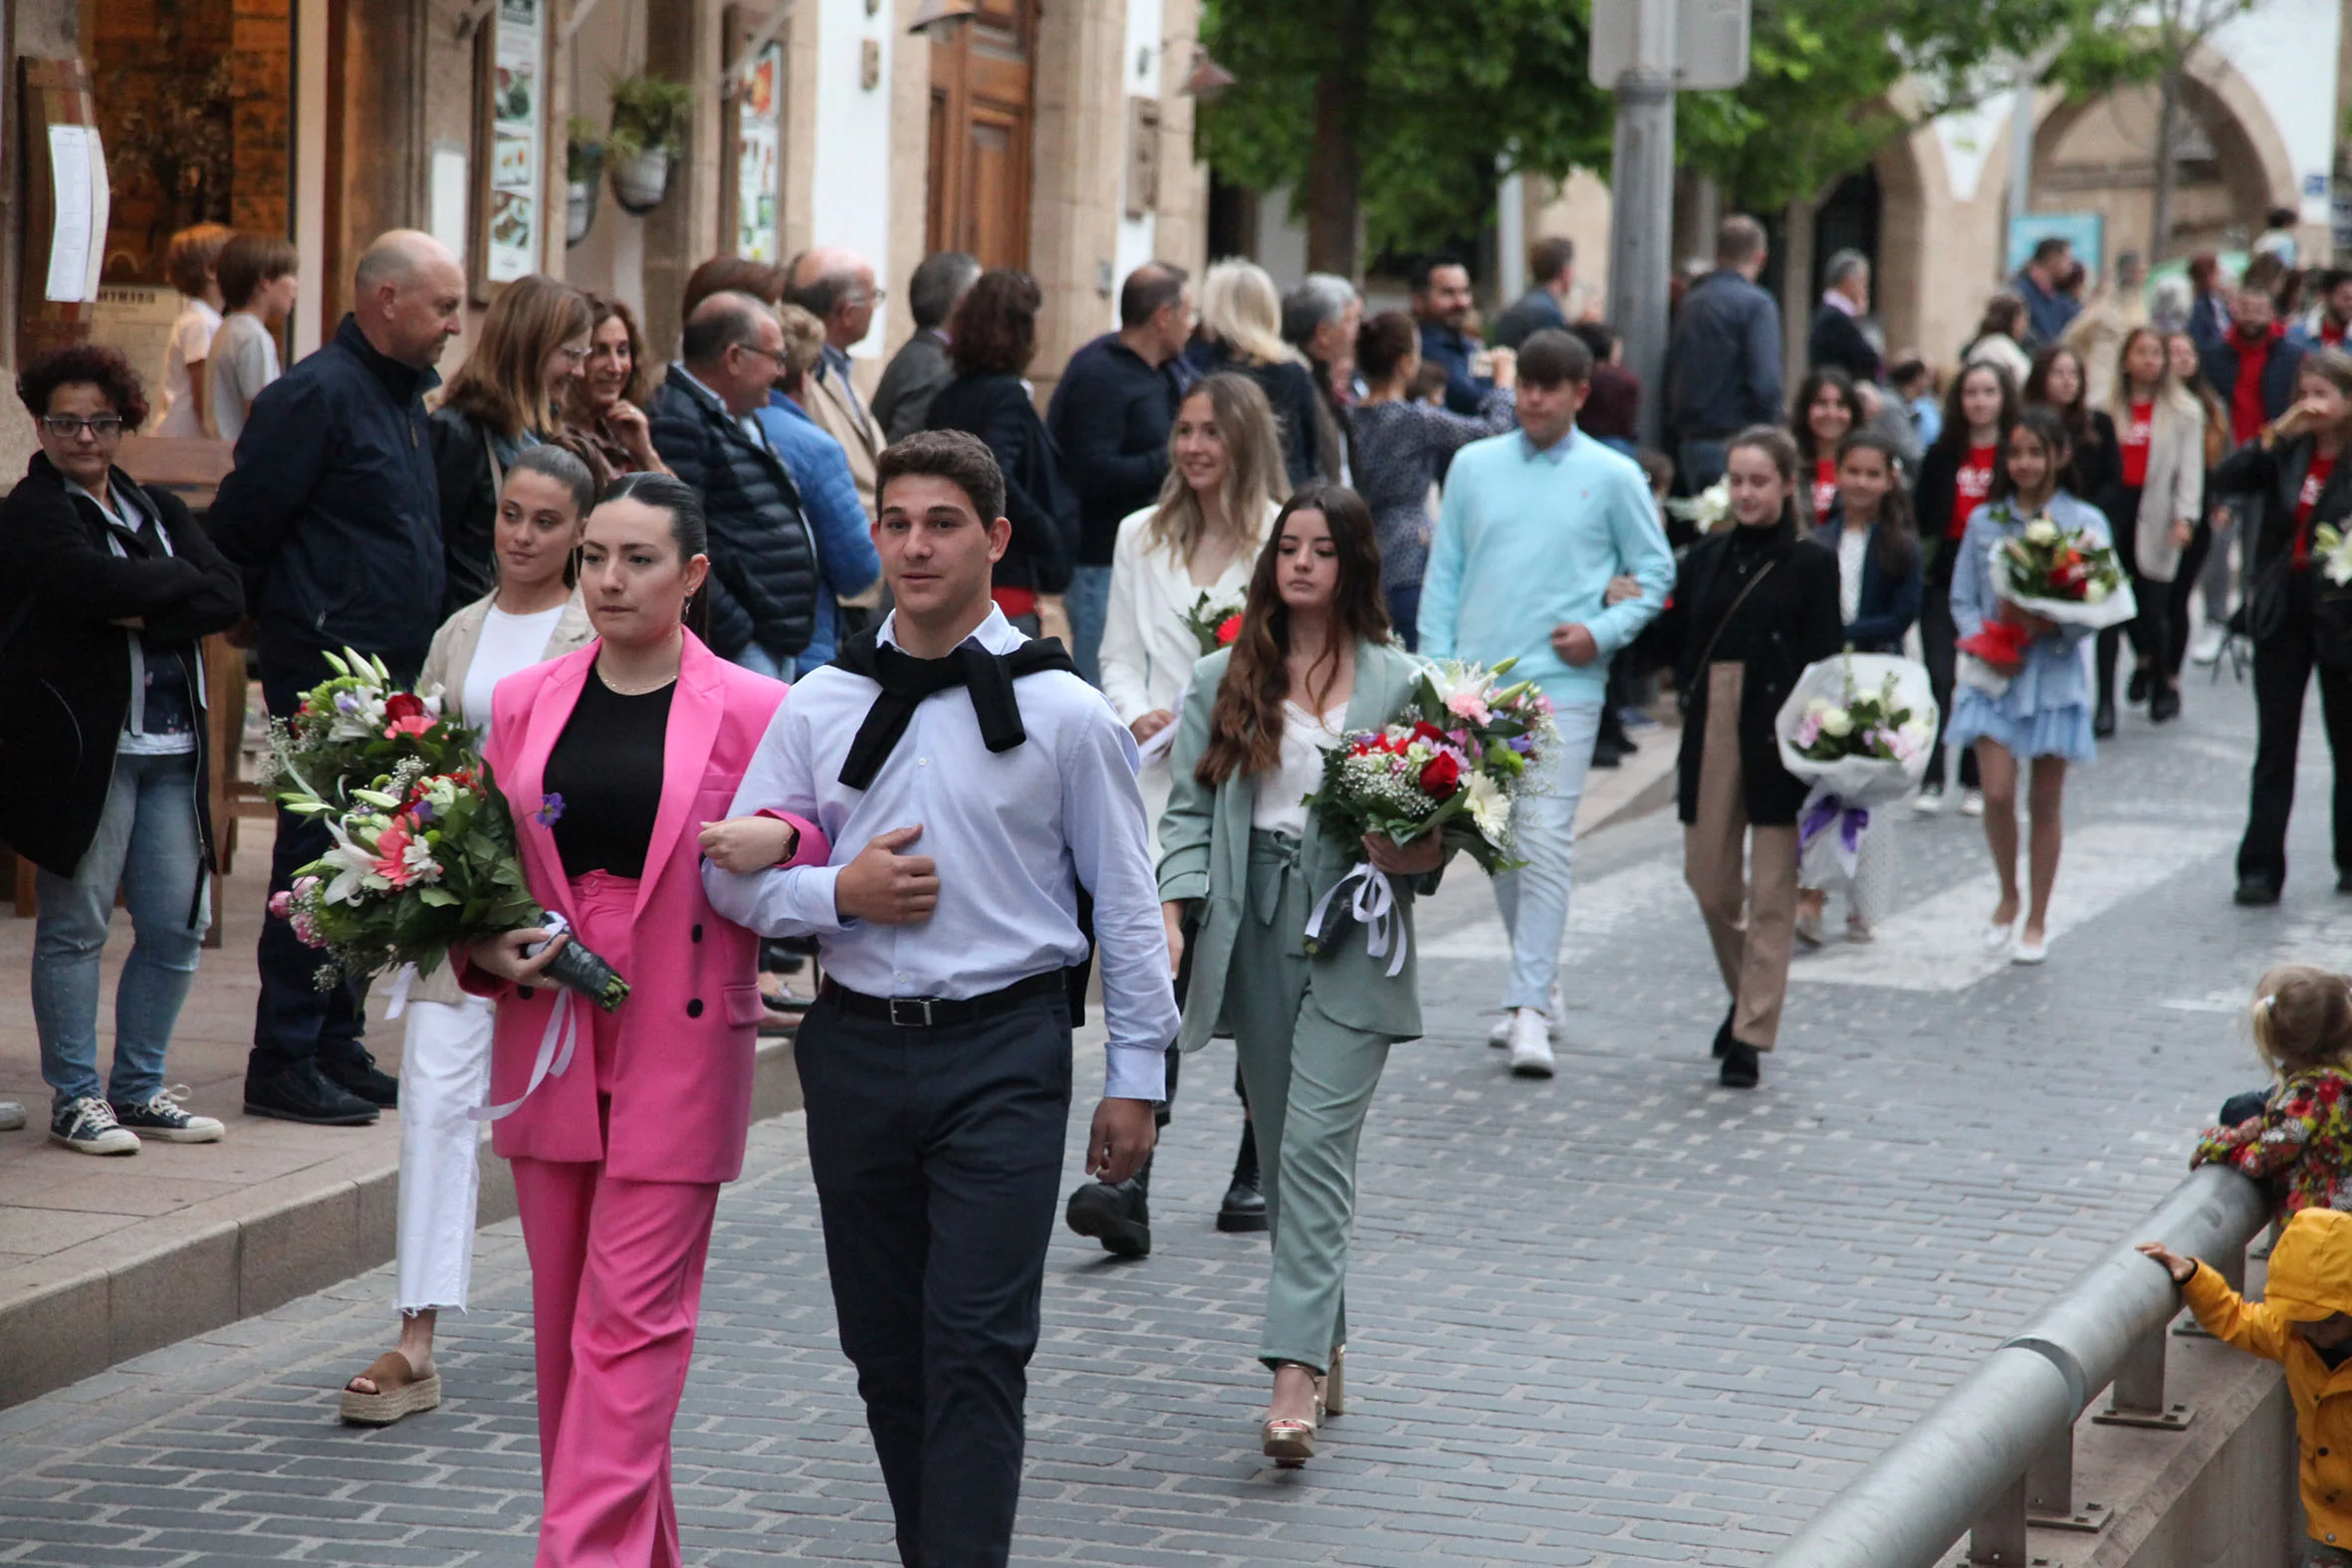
{"type": "Point", "coordinates": [614, 759]}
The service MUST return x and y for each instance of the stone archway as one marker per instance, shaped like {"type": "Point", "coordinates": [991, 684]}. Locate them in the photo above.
{"type": "Point", "coordinates": [2095, 156]}
{"type": "Point", "coordinates": [1911, 185]}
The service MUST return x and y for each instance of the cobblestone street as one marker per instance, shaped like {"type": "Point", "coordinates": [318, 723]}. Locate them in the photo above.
{"type": "Point", "coordinates": [1623, 1316]}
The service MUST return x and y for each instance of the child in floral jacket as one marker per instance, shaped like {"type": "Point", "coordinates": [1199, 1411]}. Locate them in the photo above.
{"type": "Point", "coordinates": [2297, 1140]}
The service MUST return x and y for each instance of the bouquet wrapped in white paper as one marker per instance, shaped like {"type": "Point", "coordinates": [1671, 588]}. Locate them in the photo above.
{"type": "Point", "coordinates": [1858, 728]}
{"type": "Point", "coordinates": [2064, 575]}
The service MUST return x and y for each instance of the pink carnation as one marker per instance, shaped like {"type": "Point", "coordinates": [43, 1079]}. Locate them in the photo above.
{"type": "Point", "coordinates": [1463, 704]}
{"type": "Point", "coordinates": [413, 724]}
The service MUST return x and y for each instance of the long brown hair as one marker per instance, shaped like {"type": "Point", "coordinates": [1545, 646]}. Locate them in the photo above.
{"type": "Point", "coordinates": [503, 382]}
{"type": "Point", "coordinates": [1246, 726]}
{"type": "Point", "coordinates": [1898, 528]}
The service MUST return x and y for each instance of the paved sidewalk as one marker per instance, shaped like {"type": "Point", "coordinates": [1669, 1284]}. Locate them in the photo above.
{"type": "Point", "coordinates": [1619, 1317]}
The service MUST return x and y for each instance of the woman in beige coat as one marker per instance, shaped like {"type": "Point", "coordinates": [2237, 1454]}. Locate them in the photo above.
{"type": "Point", "coordinates": [533, 615]}
{"type": "Point", "coordinates": [2152, 510]}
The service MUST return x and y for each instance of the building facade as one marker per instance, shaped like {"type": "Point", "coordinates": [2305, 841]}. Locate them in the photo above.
{"type": "Point", "coordinates": [1054, 137]}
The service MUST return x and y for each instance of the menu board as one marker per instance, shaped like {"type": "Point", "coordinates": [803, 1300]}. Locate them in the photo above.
{"type": "Point", "coordinates": [517, 140]}
{"type": "Point", "coordinates": [759, 120]}
{"type": "Point", "coordinates": [77, 246]}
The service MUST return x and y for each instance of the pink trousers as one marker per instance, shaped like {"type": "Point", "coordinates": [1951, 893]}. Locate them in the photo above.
{"type": "Point", "coordinates": [616, 1282]}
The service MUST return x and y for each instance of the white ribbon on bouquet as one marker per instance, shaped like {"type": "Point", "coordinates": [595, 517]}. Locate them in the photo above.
{"type": "Point", "coordinates": [556, 1042]}
{"type": "Point", "coordinates": [1374, 904]}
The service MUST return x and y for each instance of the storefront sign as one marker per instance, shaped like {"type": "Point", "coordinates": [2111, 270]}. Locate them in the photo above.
{"type": "Point", "coordinates": [517, 148]}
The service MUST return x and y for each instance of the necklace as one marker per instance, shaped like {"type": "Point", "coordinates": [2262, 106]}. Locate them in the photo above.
{"type": "Point", "coordinates": [619, 690]}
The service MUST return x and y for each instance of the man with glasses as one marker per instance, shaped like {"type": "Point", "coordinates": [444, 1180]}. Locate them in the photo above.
{"type": "Point", "coordinates": [838, 288]}
{"type": "Point", "coordinates": [333, 513]}
{"type": "Point", "coordinates": [764, 579]}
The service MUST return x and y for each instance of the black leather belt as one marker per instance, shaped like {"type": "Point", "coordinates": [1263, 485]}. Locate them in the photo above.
{"type": "Point", "coordinates": [931, 1012]}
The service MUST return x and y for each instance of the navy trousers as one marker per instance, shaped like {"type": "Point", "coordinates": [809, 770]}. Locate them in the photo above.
{"type": "Point", "coordinates": [937, 1159]}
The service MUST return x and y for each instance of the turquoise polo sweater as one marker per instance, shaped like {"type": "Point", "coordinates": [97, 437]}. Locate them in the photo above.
{"type": "Point", "coordinates": [1528, 540]}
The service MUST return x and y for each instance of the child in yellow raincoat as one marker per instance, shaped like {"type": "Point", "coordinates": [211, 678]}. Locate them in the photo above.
{"type": "Point", "coordinates": [2304, 1322]}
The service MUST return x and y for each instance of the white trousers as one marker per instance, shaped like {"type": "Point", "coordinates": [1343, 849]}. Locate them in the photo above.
{"type": "Point", "coordinates": [445, 1073]}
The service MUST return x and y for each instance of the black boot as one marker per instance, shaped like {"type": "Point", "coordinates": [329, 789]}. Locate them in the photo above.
{"type": "Point", "coordinates": [1244, 1208]}
{"type": "Point", "coordinates": [1723, 1037]}
{"type": "Point", "coordinates": [1742, 1064]}
{"type": "Point", "coordinates": [1118, 1214]}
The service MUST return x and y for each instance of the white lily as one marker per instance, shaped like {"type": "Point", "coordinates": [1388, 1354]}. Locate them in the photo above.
{"type": "Point", "coordinates": [353, 866]}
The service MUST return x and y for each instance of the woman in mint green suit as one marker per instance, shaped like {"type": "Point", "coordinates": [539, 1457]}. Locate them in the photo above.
{"type": "Point", "coordinates": [1244, 857]}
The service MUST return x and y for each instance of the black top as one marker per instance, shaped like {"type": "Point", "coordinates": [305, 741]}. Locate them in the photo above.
{"type": "Point", "coordinates": [606, 766]}
{"type": "Point", "coordinates": [1110, 417]}
{"type": "Point", "coordinates": [1837, 339]}
{"type": "Point", "coordinates": [334, 510]}
{"type": "Point", "coordinates": [1044, 511]}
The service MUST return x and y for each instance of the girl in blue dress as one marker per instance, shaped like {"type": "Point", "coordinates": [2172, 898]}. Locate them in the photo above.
{"type": "Point", "coordinates": [2043, 718]}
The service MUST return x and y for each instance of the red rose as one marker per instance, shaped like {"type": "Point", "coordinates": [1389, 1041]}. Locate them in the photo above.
{"type": "Point", "coordinates": [403, 705]}
{"type": "Point", "coordinates": [1423, 730]}
{"type": "Point", "coordinates": [1440, 775]}
{"type": "Point", "coordinates": [1228, 629]}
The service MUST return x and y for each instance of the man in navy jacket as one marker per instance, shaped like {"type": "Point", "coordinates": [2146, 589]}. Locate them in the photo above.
{"type": "Point", "coordinates": [1725, 369]}
{"type": "Point", "coordinates": [333, 513]}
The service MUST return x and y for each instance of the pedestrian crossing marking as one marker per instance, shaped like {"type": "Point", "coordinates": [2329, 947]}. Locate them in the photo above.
{"type": "Point", "coordinates": [1938, 944]}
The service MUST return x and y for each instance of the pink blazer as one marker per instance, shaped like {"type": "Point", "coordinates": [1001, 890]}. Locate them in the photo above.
{"type": "Point", "coordinates": [682, 1073]}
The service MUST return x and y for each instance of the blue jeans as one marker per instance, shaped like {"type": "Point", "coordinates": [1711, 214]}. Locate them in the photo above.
{"type": "Point", "coordinates": [1088, 603]}
{"type": "Point", "coordinates": [147, 845]}
{"type": "Point", "coordinates": [1535, 899]}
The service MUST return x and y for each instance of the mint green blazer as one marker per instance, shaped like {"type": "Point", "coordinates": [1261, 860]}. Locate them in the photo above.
{"type": "Point", "coordinates": [1205, 855]}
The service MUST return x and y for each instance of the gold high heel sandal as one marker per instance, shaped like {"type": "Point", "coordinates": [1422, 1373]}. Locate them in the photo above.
{"type": "Point", "coordinates": [1288, 1441]}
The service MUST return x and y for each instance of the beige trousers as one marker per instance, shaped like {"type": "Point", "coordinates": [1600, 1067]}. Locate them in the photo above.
{"type": "Point", "coordinates": [1745, 877]}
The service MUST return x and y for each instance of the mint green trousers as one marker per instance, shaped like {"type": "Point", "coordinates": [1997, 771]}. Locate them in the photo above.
{"type": "Point", "coordinates": [1310, 1083]}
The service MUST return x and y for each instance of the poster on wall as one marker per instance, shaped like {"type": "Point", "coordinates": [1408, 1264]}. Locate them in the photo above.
{"type": "Point", "coordinates": [758, 155]}
{"type": "Point", "coordinates": [515, 151]}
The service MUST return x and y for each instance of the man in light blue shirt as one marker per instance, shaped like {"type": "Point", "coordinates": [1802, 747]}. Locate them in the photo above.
{"type": "Point", "coordinates": [972, 787]}
{"type": "Point", "coordinates": [1535, 527]}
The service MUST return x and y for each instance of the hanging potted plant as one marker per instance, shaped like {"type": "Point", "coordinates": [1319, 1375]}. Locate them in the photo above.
{"type": "Point", "coordinates": [649, 129]}
{"type": "Point", "coordinates": [583, 174]}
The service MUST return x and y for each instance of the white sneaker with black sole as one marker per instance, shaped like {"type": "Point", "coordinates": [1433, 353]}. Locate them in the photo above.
{"type": "Point", "coordinates": [1531, 1044]}
{"type": "Point", "coordinates": [161, 1118]}
{"type": "Point", "coordinates": [88, 1126]}
{"type": "Point", "coordinates": [1499, 1035]}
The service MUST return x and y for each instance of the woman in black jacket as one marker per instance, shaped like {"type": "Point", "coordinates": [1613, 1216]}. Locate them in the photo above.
{"type": "Point", "coordinates": [1242, 332]}
{"type": "Point", "coordinates": [991, 337]}
{"type": "Point", "coordinates": [1758, 603]}
{"type": "Point", "coordinates": [511, 392]}
{"type": "Point", "coordinates": [103, 757]}
{"type": "Point", "coordinates": [2298, 619]}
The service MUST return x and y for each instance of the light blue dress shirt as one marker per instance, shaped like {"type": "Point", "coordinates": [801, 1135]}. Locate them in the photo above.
{"type": "Point", "coordinates": [1013, 834]}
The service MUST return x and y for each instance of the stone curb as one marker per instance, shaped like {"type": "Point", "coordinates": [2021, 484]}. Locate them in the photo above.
{"type": "Point", "coordinates": [227, 1269]}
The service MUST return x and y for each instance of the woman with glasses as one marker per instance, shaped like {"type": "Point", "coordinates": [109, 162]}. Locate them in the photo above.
{"type": "Point", "coordinates": [103, 769]}
{"type": "Point", "coordinates": [509, 394]}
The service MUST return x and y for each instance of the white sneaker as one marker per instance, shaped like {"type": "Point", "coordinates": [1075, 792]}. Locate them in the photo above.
{"type": "Point", "coordinates": [1499, 1035]}
{"type": "Point", "coordinates": [12, 1115]}
{"type": "Point", "coordinates": [88, 1126]}
{"type": "Point", "coordinates": [2207, 646]}
{"type": "Point", "coordinates": [1928, 803]}
{"type": "Point", "coordinates": [1531, 1044]}
{"type": "Point", "coordinates": [1972, 802]}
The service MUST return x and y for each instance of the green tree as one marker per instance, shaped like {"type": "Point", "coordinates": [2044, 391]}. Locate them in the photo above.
{"type": "Point", "coordinates": [1410, 111]}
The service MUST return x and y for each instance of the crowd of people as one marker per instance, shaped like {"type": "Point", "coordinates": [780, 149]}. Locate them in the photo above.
{"type": "Point", "coordinates": [611, 566]}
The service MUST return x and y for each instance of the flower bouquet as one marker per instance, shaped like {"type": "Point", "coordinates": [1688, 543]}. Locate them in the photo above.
{"type": "Point", "coordinates": [1214, 622]}
{"type": "Point", "coordinates": [1858, 728]}
{"type": "Point", "coordinates": [1450, 765]}
{"type": "Point", "coordinates": [2062, 574]}
{"type": "Point", "coordinates": [424, 855]}
{"type": "Point", "coordinates": [2335, 554]}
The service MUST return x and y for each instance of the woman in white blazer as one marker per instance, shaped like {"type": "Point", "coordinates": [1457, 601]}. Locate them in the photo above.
{"type": "Point", "coordinates": [2153, 509]}
{"type": "Point", "coordinates": [1226, 483]}
{"type": "Point", "coordinates": [533, 615]}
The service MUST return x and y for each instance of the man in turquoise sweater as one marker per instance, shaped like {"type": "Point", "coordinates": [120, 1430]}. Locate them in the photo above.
{"type": "Point", "coordinates": [1535, 525]}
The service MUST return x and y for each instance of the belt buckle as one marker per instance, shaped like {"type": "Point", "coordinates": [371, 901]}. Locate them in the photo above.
{"type": "Point", "coordinates": [916, 1014]}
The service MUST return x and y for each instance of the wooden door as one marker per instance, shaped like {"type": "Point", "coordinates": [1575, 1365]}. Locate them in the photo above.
{"type": "Point", "coordinates": [981, 120]}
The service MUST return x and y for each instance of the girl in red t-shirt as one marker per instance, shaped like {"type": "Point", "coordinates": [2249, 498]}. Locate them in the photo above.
{"type": "Point", "coordinates": [1826, 407]}
{"type": "Point", "coordinates": [2152, 512]}
{"type": "Point", "coordinates": [1955, 477]}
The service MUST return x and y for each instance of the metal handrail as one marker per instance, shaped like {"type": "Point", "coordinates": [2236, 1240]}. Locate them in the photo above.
{"type": "Point", "coordinates": [1968, 1464]}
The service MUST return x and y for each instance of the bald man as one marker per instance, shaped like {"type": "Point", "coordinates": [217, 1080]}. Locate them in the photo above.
{"type": "Point", "coordinates": [334, 513]}
{"type": "Point", "coordinates": [838, 288]}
